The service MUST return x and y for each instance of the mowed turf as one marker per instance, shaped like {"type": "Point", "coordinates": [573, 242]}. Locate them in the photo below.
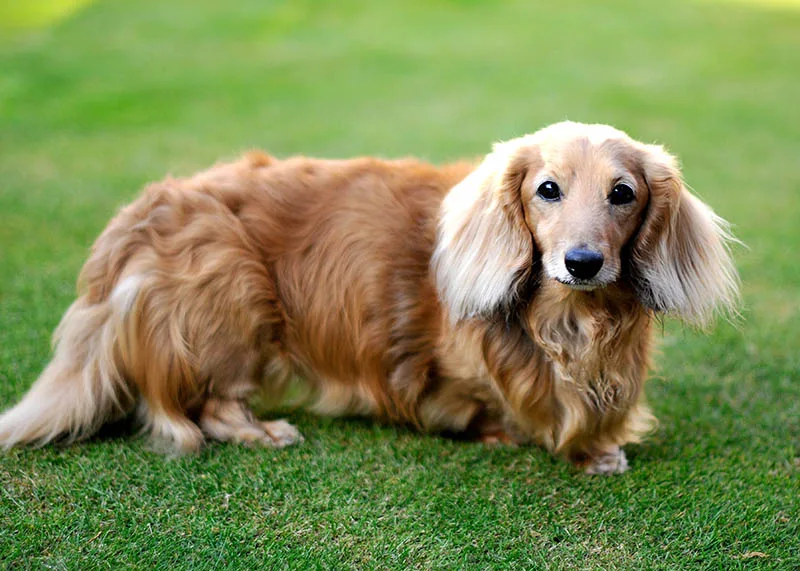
{"type": "Point", "coordinates": [122, 93]}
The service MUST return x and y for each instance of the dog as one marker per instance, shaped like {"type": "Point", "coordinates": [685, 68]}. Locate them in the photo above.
{"type": "Point", "coordinates": [510, 300]}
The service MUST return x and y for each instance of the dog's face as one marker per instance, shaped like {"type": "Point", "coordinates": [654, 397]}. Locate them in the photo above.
{"type": "Point", "coordinates": [594, 206]}
{"type": "Point", "coordinates": [583, 198]}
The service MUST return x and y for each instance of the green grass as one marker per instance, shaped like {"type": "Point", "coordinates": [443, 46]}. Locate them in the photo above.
{"type": "Point", "coordinates": [123, 92]}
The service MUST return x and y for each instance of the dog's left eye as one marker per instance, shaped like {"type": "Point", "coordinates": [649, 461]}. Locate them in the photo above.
{"type": "Point", "coordinates": [549, 191]}
{"type": "Point", "coordinates": [621, 194]}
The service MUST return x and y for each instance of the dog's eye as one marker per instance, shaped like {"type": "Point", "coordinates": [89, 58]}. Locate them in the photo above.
{"type": "Point", "coordinates": [621, 194]}
{"type": "Point", "coordinates": [549, 191]}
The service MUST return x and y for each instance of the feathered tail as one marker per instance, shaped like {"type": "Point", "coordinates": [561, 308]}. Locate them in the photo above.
{"type": "Point", "coordinates": [81, 388]}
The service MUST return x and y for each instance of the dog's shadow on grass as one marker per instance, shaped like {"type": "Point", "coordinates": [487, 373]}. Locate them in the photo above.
{"type": "Point", "coordinates": [120, 430]}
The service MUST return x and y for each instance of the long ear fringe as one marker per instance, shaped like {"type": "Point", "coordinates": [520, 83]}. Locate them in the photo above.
{"type": "Point", "coordinates": [688, 271]}
{"type": "Point", "coordinates": [483, 247]}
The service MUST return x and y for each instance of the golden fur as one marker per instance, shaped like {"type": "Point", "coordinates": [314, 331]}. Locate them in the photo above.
{"type": "Point", "coordinates": [433, 297]}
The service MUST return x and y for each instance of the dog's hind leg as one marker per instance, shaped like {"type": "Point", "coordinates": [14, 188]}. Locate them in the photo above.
{"type": "Point", "coordinates": [172, 432]}
{"type": "Point", "coordinates": [231, 420]}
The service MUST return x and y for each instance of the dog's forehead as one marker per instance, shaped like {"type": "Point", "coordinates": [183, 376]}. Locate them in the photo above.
{"type": "Point", "coordinates": [566, 150]}
{"type": "Point", "coordinates": [577, 154]}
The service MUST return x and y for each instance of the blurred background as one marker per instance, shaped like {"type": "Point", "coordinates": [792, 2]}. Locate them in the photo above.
{"type": "Point", "coordinates": [99, 97]}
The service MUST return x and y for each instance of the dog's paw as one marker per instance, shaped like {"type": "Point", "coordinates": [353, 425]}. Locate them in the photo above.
{"type": "Point", "coordinates": [281, 434]}
{"type": "Point", "coordinates": [612, 462]}
{"type": "Point", "coordinates": [498, 438]}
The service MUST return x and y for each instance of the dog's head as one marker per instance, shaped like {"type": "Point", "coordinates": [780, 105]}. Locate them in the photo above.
{"type": "Point", "coordinates": [592, 207]}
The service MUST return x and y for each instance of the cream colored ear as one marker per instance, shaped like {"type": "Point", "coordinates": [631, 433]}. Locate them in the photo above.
{"type": "Point", "coordinates": [681, 258]}
{"type": "Point", "coordinates": [484, 248]}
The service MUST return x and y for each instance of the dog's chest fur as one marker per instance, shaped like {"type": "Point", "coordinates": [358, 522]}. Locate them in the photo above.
{"type": "Point", "coordinates": [596, 344]}
{"type": "Point", "coordinates": [571, 357]}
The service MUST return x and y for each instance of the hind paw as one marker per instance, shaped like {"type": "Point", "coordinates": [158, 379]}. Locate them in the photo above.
{"type": "Point", "coordinates": [232, 421]}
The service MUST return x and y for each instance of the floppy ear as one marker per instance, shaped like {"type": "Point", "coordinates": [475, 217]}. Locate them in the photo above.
{"type": "Point", "coordinates": [681, 262]}
{"type": "Point", "coordinates": [484, 248]}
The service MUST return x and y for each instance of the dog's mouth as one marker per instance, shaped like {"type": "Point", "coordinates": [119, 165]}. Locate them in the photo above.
{"type": "Point", "coordinates": [580, 285]}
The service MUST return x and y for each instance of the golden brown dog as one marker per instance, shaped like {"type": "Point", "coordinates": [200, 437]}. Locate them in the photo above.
{"type": "Point", "coordinates": [511, 300]}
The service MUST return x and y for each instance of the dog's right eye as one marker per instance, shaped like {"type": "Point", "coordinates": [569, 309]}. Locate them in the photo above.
{"type": "Point", "coordinates": [621, 194]}
{"type": "Point", "coordinates": [549, 190]}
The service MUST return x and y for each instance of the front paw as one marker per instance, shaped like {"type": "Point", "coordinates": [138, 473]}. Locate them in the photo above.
{"type": "Point", "coordinates": [611, 462]}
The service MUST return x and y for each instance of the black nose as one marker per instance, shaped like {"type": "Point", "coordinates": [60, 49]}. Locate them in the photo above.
{"type": "Point", "coordinates": [583, 263]}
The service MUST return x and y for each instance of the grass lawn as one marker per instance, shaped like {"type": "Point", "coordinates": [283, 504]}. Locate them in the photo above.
{"type": "Point", "coordinates": [120, 93]}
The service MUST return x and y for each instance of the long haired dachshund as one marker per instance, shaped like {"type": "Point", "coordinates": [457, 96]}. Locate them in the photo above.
{"type": "Point", "coordinates": [512, 300]}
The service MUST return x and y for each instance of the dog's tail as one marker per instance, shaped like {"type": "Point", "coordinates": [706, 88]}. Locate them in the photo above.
{"type": "Point", "coordinates": [83, 386]}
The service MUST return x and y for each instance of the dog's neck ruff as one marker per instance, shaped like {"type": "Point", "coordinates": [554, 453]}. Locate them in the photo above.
{"type": "Point", "coordinates": [584, 334]}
